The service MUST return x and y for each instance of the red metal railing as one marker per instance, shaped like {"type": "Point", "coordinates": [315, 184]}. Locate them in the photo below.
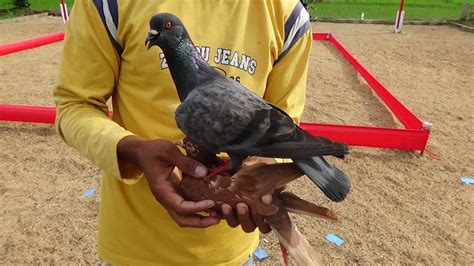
{"type": "Point", "coordinates": [413, 137]}
{"type": "Point", "coordinates": [31, 43]}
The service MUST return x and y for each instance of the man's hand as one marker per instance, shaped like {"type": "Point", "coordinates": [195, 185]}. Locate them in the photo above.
{"type": "Point", "coordinates": [246, 217]}
{"type": "Point", "coordinates": [243, 215]}
{"type": "Point", "coordinates": [157, 159]}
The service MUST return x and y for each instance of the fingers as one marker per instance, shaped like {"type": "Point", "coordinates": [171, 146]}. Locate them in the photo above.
{"type": "Point", "coordinates": [185, 163]}
{"type": "Point", "coordinates": [194, 220]}
{"type": "Point", "coordinates": [260, 223]}
{"type": "Point", "coordinates": [214, 213]}
{"type": "Point", "coordinates": [258, 219]}
{"type": "Point", "coordinates": [185, 207]}
{"type": "Point", "coordinates": [182, 211]}
{"type": "Point", "coordinates": [185, 212]}
{"type": "Point", "coordinates": [168, 196]}
{"type": "Point", "coordinates": [243, 215]}
{"type": "Point", "coordinates": [229, 215]}
{"type": "Point", "coordinates": [250, 220]}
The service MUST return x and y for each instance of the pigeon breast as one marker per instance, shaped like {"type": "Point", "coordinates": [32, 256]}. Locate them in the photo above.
{"type": "Point", "coordinates": [221, 113]}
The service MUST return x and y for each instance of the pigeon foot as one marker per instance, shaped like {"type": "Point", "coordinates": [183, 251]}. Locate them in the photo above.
{"type": "Point", "coordinates": [217, 170]}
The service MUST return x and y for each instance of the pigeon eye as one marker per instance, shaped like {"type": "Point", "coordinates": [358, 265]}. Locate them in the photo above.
{"type": "Point", "coordinates": [168, 25]}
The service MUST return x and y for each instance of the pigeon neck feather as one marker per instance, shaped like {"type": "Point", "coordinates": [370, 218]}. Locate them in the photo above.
{"type": "Point", "coordinates": [187, 67]}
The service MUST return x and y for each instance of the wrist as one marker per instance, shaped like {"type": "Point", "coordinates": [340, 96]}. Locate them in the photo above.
{"type": "Point", "coordinates": [128, 149]}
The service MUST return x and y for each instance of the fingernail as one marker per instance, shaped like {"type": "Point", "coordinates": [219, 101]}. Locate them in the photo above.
{"type": "Point", "coordinates": [211, 204]}
{"type": "Point", "coordinates": [242, 210]}
{"type": "Point", "coordinates": [225, 210]}
{"type": "Point", "coordinates": [267, 199]}
{"type": "Point", "coordinates": [201, 171]}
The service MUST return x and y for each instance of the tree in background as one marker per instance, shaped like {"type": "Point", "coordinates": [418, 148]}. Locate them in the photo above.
{"type": "Point", "coordinates": [21, 3]}
{"type": "Point", "coordinates": [310, 5]}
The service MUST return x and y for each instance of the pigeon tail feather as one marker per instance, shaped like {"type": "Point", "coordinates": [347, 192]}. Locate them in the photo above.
{"type": "Point", "coordinates": [332, 181]}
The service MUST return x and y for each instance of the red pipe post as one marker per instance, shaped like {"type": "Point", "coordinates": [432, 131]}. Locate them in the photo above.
{"type": "Point", "coordinates": [26, 113]}
{"type": "Point", "coordinates": [30, 43]}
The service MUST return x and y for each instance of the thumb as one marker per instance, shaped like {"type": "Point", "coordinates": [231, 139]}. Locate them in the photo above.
{"type": "Point", "coordinates": [188, 165]}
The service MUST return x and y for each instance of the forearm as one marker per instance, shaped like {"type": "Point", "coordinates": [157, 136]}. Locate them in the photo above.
{"type": "Point", "coordinates": [90, 131]}
{"type": "Point", "coordinates": [86, 81]}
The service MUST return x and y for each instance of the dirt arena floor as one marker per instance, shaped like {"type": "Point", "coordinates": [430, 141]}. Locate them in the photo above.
{"type": "Point", "coordinates": [404, 208]}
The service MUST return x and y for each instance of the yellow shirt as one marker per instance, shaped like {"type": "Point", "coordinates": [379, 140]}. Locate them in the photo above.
{"type": "Point", "coordinates": [254, 42]}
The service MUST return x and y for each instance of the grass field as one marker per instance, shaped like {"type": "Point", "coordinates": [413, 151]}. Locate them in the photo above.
{"type": "Point", "coordinates": [386, 10]}
{"type": "Point", "coordinates": [6, 7]}
{"type": "Point", "coordinates": [345, 9]}
{"type": "Point", "coordinates": [36, 4]}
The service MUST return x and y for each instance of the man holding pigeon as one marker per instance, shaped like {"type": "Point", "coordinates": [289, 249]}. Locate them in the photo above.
{"type": "Point", "coordinates": [263, 45]}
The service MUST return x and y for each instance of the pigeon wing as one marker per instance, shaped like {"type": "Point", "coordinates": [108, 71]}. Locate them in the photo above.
{"type": "Point", "coordinates": [284, 139]}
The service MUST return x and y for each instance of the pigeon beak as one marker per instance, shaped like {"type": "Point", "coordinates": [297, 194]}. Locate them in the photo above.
{"type": "Point", "coordinates": [151, 38]}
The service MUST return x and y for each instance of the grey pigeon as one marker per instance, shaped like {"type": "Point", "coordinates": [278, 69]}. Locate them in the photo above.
{"type": "Point", "coordinates": [220, 115]}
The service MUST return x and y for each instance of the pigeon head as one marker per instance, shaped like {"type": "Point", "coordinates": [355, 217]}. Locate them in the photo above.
{"type": "Point", "coordinates": [187, 67]}
{"type": "Point", "coordinates": [166, 31]}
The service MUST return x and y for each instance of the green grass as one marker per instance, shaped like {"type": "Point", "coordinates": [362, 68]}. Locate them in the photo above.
{"type": "Point", "coordinates": [6, 13]}
{"type": "Point", "coordinates": [7, 8]}
{"type": "Point", "coordinates": [37, 4]}
{"type": "Point", "coordinates": [387, 9]}
{"type": "Point", "coordinates": [49, 4]}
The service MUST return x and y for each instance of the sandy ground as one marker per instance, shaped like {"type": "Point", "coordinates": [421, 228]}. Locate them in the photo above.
{"type": "Point", "coordinates": [404, 208]}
